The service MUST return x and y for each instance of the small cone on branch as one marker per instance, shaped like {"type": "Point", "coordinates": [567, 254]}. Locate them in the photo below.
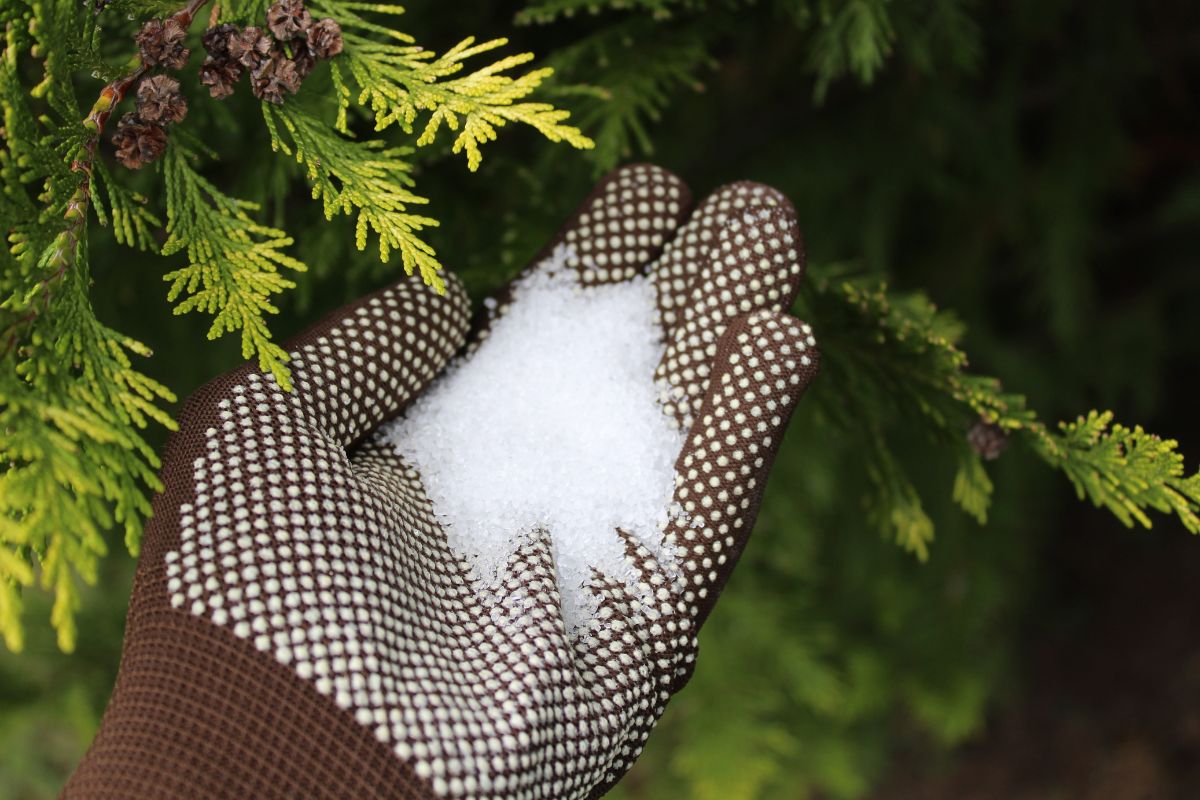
{"type": "Point", "coordinates": [220, 75]}
{"type": "Point", "coordinates": [250, 47]}
{"type": "Point", "coordinates": [987, 439]}
{"type": "Point", "coordinates": [221, 69]}
{"type": "Point", "coordinates": [137, 142]}
{"type": "Point", "coordinates": [160, 44]}
{"type": "Point", "coordinates": [288, 19]}
{"type": "Point", "coordinates": [159, 100]}
{"type": "Point", "coordinates": [216, 39]}
{"type": "Point", "coordinates": [278, 61]}
{"type": "Point", "coordinates": [275, 78]}
{"type": "Point", "coordinates": [325, 38]}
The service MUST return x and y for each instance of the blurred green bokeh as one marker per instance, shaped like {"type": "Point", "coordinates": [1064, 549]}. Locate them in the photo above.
{"type": "Point", "coordinates": [1047, 189]}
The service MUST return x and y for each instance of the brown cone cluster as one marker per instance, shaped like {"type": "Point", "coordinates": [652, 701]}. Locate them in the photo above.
{"type": "Point", "coordinates": [277, 58]}
{"type": "Point", "coordinates": [141, 136]}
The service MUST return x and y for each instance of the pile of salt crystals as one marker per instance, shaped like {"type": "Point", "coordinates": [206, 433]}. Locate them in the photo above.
{"type": "Point", "coordinates": [552, 423]}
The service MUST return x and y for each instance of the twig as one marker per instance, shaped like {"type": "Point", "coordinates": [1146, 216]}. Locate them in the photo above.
{"type": "Point", "coordinates": [66, 244]}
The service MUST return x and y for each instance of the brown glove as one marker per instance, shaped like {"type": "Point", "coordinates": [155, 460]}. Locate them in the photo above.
{"type": "Point", "coordinates": [299, 626]}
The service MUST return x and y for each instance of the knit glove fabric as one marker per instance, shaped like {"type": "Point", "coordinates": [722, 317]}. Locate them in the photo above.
{"type": "Point", "coordinates": [299, 626]}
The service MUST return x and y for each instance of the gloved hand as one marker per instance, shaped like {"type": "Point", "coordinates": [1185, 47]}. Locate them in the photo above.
{"type": "Point", "coordinates": [299, 627]}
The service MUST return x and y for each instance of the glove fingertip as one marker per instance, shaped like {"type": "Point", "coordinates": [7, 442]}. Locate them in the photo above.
{"type": "Point", "coordinates": [624, 224]}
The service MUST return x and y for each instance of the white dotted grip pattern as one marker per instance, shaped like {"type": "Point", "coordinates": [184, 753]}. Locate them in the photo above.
{"type": "Point", "coordinates": [333, 564]}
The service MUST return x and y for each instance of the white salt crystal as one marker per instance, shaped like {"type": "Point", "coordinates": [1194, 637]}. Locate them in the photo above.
{"type": "Point", "coordinates": [552, 423]}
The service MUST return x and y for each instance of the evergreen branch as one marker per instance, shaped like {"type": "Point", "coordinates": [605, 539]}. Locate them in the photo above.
{"type": "Point", "coordinates": [233, 262]}
{"type": "Point", "coordinates": [359, 178]}
{"type": "Point", "coordinates": [972, 486]}
{"type": "Point", "coordinates": [1125, 470]}
{"type": "Point", "coordinates": [855, 37]}
{"type": "Point", "coordinates": [71, 404]}
{"type": "Point", "coordinates": [60, 255]}
{"type": "Point", "coordinates": [634, 82]}
{"type": "Point", "coordinates": [75, 462]}
{"type": "Point", "coordinates": [896, 506]}
{"type": "Point", "coordinates": [133, 224]}
{"type": "Point", "coordinates": [895, 360]}
{"type": "Point", "coordinates": [397, 81]}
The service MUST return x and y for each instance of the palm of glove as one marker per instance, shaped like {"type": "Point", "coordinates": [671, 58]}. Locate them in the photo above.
{"type": "Point", "coordinates": [304, 598]}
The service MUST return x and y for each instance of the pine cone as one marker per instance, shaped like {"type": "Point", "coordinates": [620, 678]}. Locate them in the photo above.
{"type": "Point", "coordinates": [987, 439]}
{"type": "Point", "coordinates": [274, 78]}
{"type": "Point", "coordinates": [220, 75]}
{"type": "Point", "coordinates": [137, 142]}
{"type": "Point", "coordinates": [303, 57]}
{"type": "Point", "coordinates": [250, 47]}
{"type": "Point", "coordinates": [160, 43]}
{"type": "Point", "coordinates": [216, 40]}
{"type": "Point", "coordinates": [159, 100]}
{"type": "Point", "coordinates": [288, 19]}
{"type": "Point", "coordinates": [325, 38]}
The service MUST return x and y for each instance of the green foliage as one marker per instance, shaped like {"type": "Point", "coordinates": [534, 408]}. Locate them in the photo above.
{"type": "Point", "coordinates": [133, 223]}
{"type": "Point", "coordinates": [855, 37]}
{"type": "Point", "coordinates": [359, 178]}
{"type": "Point", "coordinates": [1127, 471]}
{"type": "Point", "coordinates": [398, 81]}
{"type": "Point", "coordinates": [894, 358]}
{"type": "Point", "coordinates": [233, 262]}
{"type": "Point", "coordinates": [631, 69]}
{"type": "Point", "coordinates": [632, 84]}
{"type": "Point", "coordinates": [72, 406]}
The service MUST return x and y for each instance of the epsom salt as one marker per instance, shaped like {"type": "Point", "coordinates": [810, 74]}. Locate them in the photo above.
{"type": "Point", "coordinates": [552, 423]}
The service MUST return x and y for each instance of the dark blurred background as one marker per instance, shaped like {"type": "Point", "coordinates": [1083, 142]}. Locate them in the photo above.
{"type": "Point", "coordinates": [1033, 165]}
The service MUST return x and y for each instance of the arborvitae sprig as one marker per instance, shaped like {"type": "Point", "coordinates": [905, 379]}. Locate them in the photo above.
{"type": "Point", "coordinates": [628, 83]}
{"type": "Point", "coordinates": [133, 223]}
{"type": "Point", "coordinates": [72, 407]}
{"type": "Point", "coordinates": [1125, 470]}
{"type": "Point", "coordinates": [361, 178]}
{"type": "Point", "coordinates": [234, 263]}
{"type": "Point", "coordinates": [398, 81]}
{"type": "Point", "coordinates": [897, 351]}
